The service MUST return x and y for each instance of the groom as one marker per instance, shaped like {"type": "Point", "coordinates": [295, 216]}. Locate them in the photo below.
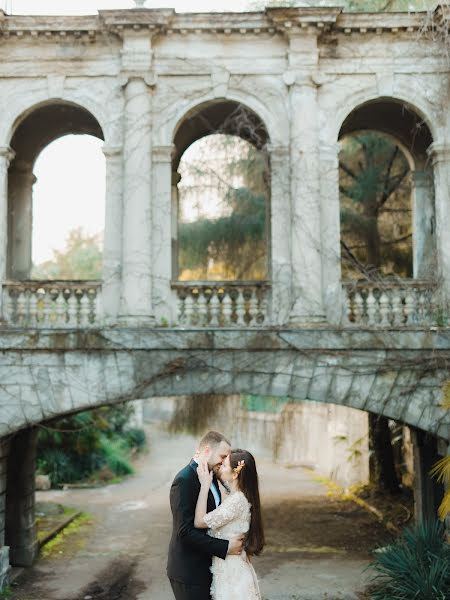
{"type": "Point", "coordinates": [191, 550]}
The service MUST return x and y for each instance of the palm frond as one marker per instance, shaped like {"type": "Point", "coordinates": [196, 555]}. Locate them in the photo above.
{"type": "Point", "coordinates": [444, 507]}
{"type": "Point", "coordinates": [441, 470]}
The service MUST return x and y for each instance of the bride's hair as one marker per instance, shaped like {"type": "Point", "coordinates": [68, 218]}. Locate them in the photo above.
{"type": "Point", "coordinates": [248, 484]}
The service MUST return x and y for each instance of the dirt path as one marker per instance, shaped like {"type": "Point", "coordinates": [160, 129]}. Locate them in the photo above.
{"type": "Point", "coordinates": [317, 547]}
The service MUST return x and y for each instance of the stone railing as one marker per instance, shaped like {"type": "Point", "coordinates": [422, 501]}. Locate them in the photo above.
{"type": "Point", "coordinates": [65, 304]}
{"type": "Point", "coordinates": [222, 304]}
{"type": "Point", "coordinates": [390, 304]}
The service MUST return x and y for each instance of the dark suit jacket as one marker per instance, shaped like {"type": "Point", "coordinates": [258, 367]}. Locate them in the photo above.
{"type": "Point", "coordinates": [191, 550]}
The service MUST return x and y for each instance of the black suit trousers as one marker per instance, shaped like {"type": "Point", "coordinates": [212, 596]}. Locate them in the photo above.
{"type": "Point", "coordinates": [183, 591]}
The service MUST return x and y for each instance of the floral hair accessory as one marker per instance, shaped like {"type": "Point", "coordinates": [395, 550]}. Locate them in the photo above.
{"type": "Point", "coordinates": [239, 466]}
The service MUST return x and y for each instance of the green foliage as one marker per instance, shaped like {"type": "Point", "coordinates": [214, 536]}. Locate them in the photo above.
{"type": "Point", "coordinates": [232, 244]}
{"type": "Point", "coordinates": [376, 223]}
{"type": "Point", "coordinates": [75, 447]}
{"type": "Point", "coordinates": [415, 567]}
{"type": "Point", "coordinates": [353, 5]}
{"type": "Point", "coordinates": [81, 259]}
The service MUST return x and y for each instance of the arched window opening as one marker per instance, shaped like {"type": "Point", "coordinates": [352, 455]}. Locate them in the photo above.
{"type": "Point", "coordinates": [221, 195]}
{"type": "Point", "coordinates": [68, 210]}
{"type": "Point", "coordinates": [376, 209]}
{"type": "Point", "coordinates": [223, 211]}
{"type": "Point", "coordinates": [56, 195]}
{"type": "Point", "coordinates": [386, 193]}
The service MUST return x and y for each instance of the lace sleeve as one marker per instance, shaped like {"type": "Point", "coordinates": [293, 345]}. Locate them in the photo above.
{"type": "Point", "coordinates": [231, 509]}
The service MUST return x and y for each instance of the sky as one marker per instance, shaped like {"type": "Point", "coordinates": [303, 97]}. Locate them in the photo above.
{"type": "Point", "coordinates": [70, 187]}
{"type": "Point", "coordinates": [79, 7]}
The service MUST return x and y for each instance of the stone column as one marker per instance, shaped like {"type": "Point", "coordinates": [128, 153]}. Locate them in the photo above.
{"type": "Point", "coordinates": [427, 492]}
{"type": "Point", "coordinates": [20, 185]}
{"type": "Point", "coordinates": [20, 515]}
{"type": "Point", "coordinates": [424, 250]}
{"type": "Point", "coordinates": [112, 245]}
{"type": "Point", "coordinates": [6, 155]}
{"type": "Point", "coordinates": [305, 201]}
{"type": "Point", "coordinates": [280, 270]}
{"type": "Point", "coordinates": [175, 198]}
{"type": "Point", "coordinates": [331, 232]}
{"type": "Point", "coordinates": [164, 306]}
{"type": "Point", "coordinates": [4, 550]}
{"type": "Point", "coordinates": [136, 297]}
{"type": "Point", "coordinates": [440, 155]}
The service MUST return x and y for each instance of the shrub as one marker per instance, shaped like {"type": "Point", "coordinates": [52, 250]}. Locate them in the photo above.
{"type": "Point", "coordinates": [76, 447]}
{"type": "Point", "coordinates": [415, 567]}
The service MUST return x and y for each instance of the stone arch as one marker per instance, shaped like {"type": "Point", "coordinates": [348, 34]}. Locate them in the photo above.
{"type": "Point", "coordinates": [350, 104]}
{"type": "Point", "coordinates": [410, 128]}
{"type": "Point", "coordinates": [220, 116]}
{"type": "Point", "coordinates": [277, 126]}
{"type": "Point", "coordinates": [33, 130]}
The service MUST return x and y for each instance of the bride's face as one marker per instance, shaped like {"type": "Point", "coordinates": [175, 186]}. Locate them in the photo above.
{"type": "Point", "coordinates": [226, 472]}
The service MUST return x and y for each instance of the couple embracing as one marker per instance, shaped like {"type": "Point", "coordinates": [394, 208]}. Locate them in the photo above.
{"type": "Point", "coordinates": [213, 540]}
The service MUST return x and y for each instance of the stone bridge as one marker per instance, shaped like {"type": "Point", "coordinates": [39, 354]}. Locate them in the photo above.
{"type": "Point", "coordinates": [150, 83]}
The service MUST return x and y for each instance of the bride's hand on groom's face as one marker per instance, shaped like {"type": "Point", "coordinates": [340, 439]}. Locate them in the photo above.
{"type": "Point", "coordinates": [204, 474]}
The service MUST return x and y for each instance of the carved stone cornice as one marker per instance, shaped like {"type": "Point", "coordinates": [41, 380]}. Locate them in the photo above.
{"type": "Point", "coordinates": [163, 154]}
{"type": "Point", "coordinates": [439, 152]}
{"type": "Point", "coordinates": [7, 154]}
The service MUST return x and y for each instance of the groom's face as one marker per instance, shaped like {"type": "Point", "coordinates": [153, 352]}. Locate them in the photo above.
{"type": "Point", "coordinates": [218, 455]}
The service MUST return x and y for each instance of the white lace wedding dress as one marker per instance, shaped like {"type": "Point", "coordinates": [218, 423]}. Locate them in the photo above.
{"type": "Point", "coordinates": [233, 578]}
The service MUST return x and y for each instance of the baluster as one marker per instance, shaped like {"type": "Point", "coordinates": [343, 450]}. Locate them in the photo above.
{"type": "Point", "coordinates": [46, 306]}
{"type": "Point", "coordinates": [253, 308]}
{"type": "Point", "coordinates": [227, 308]}
{"type": "Point", "coordinates": [421, 310]}
{"type": "Point", "coordinates": [347, 306]}
{"type": "Point", "coordinates": [371, 303]}
{"type": "Point", "coordinates": [397, 307]}
{"type": "Point", "coordinates": [84, 310]}
{"type": "Point", "coordinates": [240, 308]}
{"type": "Point", "coordinates": [181, 308]}
{"type": "Point", "coordinates": [410, 307]}
{"type": "Point", "coordinates": [96, 306]}
{"type": "Point", "coordinates": [11, 304]}
{"type": "Point", "coordinates": [22, 308]}
{"type": "Point", "coordinates": [189, 308]}
{"type": "Point", "coordinates": [203, 308]}
{"type": "Point", "coordinates": [384, 309]}
{"type": "Point", "coordinates": [72, 309]}
{"type": "Point", "coordinates": [33, 308]}
{"type": "Point", "coordinates": [215, 306]}
{"type": "Point", "coordinates": [60, 309]}
{"type": "Point", "coordinates": [263, 302]}
{"type": "Point", "coordinates": [358, 307]}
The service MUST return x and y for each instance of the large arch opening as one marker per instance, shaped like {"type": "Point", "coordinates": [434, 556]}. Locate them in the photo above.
{"type": "Point", "coordinates": [386, 193]}
{"type": "Point", "coordinates": [221, 195]}
{"type": "Point", "coordinates": [58, 122]}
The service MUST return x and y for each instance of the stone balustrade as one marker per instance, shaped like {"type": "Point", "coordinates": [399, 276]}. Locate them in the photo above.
{"type": "Point", "coordinates": [66, 304]}
{"type": "Point", "coordinates": [222, 304]}
{"type": "Point", "coordinates": [390, 303]}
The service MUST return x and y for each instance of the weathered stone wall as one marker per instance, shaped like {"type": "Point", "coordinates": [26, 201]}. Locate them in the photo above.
{"type": "Point", "coordinates": [398, 374]}
{"type": "Point", "coordinates": [20, 530]}
{"type": "Point", "coordinates": [4, 550]}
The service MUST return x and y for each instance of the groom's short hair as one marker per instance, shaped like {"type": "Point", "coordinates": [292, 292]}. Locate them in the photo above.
{"type": "Point", "coordinates": [212, 439]}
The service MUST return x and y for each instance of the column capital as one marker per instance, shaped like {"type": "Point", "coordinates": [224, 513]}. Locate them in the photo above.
{"type": "Point", "coordinates": [163, 154]}
{"type": "Point", "coordinates": [329, 151]}
{"type": "Point", "coordinates": [112, 151]}
{"type": "Point", "coordinates": [150, 78]}
{"type": "Point", "coordinates": [278, 153]}
{"type": "Point", "coordinates": [7, 154]}
{"type": "Point", "coordinates": [300, 79]}
{"type": "Point", "coordinates": [439, 152]}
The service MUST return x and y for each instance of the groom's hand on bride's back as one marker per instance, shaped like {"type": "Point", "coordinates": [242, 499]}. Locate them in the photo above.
{"type": "Point", "coordinates": [236, 544]}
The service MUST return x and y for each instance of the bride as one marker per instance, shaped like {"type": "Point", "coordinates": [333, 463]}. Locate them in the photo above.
{"type": "Point", "coordinates": [233, 577]}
